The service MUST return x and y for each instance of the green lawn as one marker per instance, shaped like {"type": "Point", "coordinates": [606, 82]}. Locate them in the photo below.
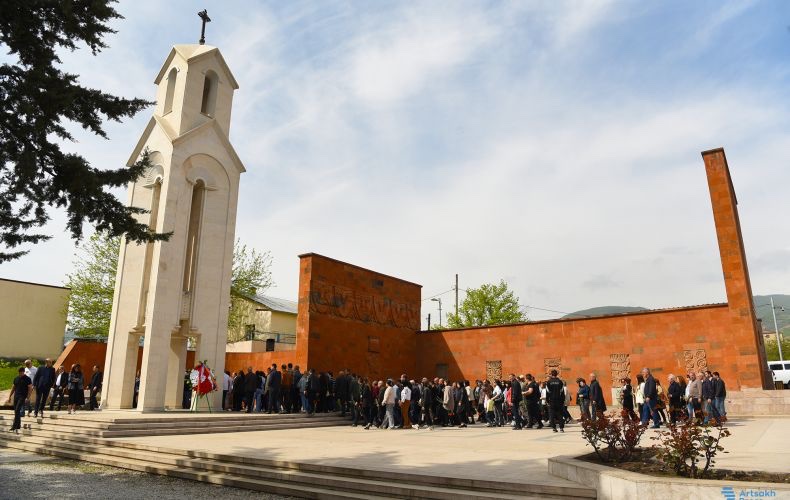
{"type": "Point", "coordinates": [7, 375]}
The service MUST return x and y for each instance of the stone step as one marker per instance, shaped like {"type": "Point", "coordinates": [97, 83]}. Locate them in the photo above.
{"type": "Point", "coordinates": [544, 490]}
{"type": "Point", "coordinates": [297, 490]}
{"type": "Point", "coordinates": [383, 485]}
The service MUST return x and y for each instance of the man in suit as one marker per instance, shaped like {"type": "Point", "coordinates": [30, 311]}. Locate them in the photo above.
{"type": "Point", "coordinates": [43, 382]}
{"type": "Point", "coordinates": [273, 384]}
{"type": "Point", "coordinates": [61, 382]}
{"type": "Point", "coordinates": [342, 387]}
{"type": "Point", "coordinates": [596, 397]}
{"type": "Point", "coordinates": [251, 381]}
{"type": "Point", "coordinates": [651, 399]}
{"type": "Point", "coordinates": [555, 397]}
{"type": "Point", "coordinates": [95, 386]}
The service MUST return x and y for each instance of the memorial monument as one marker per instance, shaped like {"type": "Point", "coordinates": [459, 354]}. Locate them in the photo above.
{"type": "Point", "coordinates": [174, 291]}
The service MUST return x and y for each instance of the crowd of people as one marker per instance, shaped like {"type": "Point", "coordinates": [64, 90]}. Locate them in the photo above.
{"type": "Point", "coordinates": [521, 401]}
{"type": "Point", "coordinates": [518, 401]}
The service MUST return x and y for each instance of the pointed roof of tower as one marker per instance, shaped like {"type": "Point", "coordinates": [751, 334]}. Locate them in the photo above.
{"type": "Point", "coordinates": [193, 52]}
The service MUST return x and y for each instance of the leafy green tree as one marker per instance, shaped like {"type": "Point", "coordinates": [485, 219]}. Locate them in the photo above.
{"type": "Point", "coordinates": [491, 304]}
{"type": "Point", "coordinates": [93, 283]}
{"type": "Point", "coordinates": [37, 100]}
{"type": "Point", "coordinates": [772, 348]}
{"type": "Point", "coordinates": [251, 275]}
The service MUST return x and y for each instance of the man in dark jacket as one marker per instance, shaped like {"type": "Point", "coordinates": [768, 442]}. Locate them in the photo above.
{"type": "Point", "coordinates": [708, 394]}
{"type": "Point", "coordinates": [58, 394]}
{"type": "Point", "coordinates": [596, 397]}
{"type": "Point", "coordinates": [273, 384]}
{"type": "Point", "coordinates": [313, 390]}
{"type": "Point", "coordinates": [354, 395]}
{"type": "Point", "coordinates": [95, 386]}
{"type": "Point", "coordinates": [515, 401]}
{"type": "Point", "coordinates": [251, 381]}
{"type": "Point", "coordinates": [651, 399]}
{"type": "Point", "coordinates": [533, 402]}
{"type": "Point", "coordinates": [675, 395]}
{"type": "Point", "coordinates": [555, 397]}
{"type": "Point", "coordinates": [342, 391]}
{"type": "Point", "coordinates": [719, 395]}
{"type": "Point", "coordinates": [43, 381]}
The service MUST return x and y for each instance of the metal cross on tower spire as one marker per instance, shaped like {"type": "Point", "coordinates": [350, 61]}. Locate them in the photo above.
{"type": "Point", "coordinates": [203, 14]}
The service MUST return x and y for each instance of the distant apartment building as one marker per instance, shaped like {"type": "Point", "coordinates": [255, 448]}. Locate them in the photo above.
{"type": "Point", "coordinates": [268, 324]}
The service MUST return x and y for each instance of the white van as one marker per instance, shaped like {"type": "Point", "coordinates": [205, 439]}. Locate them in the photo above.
{"type": "Point", "coordinates": [781, 371]}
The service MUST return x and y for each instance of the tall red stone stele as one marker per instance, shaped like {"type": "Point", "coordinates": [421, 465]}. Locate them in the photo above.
{"type": "Point", "coordinates": [746, 353]}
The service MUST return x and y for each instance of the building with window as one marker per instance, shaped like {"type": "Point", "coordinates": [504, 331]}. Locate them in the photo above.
{"type": "Point", "coordinates": [266, 324]}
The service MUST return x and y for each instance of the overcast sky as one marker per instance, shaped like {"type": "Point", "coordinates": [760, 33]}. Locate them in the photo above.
{"type": "Point", "coordinates": [555, 145]}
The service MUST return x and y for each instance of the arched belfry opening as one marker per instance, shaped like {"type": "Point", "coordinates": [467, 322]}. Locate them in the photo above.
{"type": "Point", "coordinates": [208, 103]}
{"type": "Point", "coordinates": [172, 76]}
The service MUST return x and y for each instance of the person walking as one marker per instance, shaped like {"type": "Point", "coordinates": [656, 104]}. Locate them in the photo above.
{"type": "Point", "coordinates": [367, 403]}
{"type": "Point", "coordinates": [42, 383]}
{"type": "Point", "coordinates": [251, 382]}
{"type": "Point", "coordinates": [76, 388]}
{"type": "Point", "coordinates": [555, 397]}
{"type": "Point", "coordinates": [596, 397]}
{"type": "Point", "coordinates": [274, 383]}
{"type": "Point", "coordinates": [227, 386]}
{"type": "Point", "coordinates": [627, 396]}
{"type": "Point", "coordinates": [515, 401]}
{"type": "Point", "coordinates": [95, 387]}
{"type": "Point", "coordinates": [649, 409]}
{"type": "Point", "coordinates": [719, 396]}
{"type": "Point", "coordinates": [21, 388]}
{"type": "Point", "coordinates": [532, 395]}
{"type": "Point", "coordinates": [707, 396]}
{"type": "Point", "coordinates": [388, 401]}
{"type": "Point", "coordinates": [583, 398]}
{"type": "Point", "coordinates": [30, 371]}
{"type": "Point", "coordinates": [405, 403]}
{"type": "Point", "coordinates": [675, 394]}
{"type": "Point", "coordinates": [59, 391]}
{"type": "Point", "coordinates": [354, 396]}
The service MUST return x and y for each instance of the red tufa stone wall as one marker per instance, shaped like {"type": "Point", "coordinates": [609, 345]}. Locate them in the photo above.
{"type": "Point", "coordinates": [350, 317]}
{"type": "Point", "coordinates": [724, 337]}
{"type": "Point", "coordinates": [89, 353]}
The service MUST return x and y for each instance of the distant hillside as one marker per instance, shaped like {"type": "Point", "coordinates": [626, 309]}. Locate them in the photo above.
{"type": "Point", "coordinates": [763, 308]}
{"type": "Point", "coordinates": [761, 304]}
{"type": "Point", "coordinates": [605, 310]}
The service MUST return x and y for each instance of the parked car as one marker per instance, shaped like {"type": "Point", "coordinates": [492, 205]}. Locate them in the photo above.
{"type": "Point", "coordinates": [781, 371]}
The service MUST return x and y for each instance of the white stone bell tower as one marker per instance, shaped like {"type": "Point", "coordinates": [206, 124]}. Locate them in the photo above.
{"type": "Point", "coordinates": [177, 290]}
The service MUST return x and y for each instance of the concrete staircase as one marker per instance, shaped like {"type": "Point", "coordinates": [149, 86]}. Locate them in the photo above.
{"type": "Point", "coordinates": [306, 480]}
{"type": "Point", "coordinates": [99, 424]}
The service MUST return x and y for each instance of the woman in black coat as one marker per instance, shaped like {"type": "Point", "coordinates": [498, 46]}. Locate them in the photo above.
{"type": "Point", "coordinates": [628, 398]}
{"type": "Point", "coordinates": [76, 388]}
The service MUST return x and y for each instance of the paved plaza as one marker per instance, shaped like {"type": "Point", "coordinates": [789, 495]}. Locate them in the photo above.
{"type": "Point", "coordinates": [476, 452]}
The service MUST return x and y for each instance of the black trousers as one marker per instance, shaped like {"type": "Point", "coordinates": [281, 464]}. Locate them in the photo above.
{"type": "Point", "coordinates": [249, 398]}
{"type": "Point", "coordinates": [238, 397]}
{"type": "Point", "coordinates": [41, 400]}
{"type": "Point", "coordinates": [224, 398]}
{"type": "Point", "coordinates": [57, 395]}
{"type": "Point", "coordinates": [533, 413]}
{"type": "Point", "coordinates": [19, 410]}
{"type": "Point", "coordinates": [93, 403]}
{"type": "Point", "coordinates": [428, 415]}
{"type": "Point", "coordinates": [555, 415]}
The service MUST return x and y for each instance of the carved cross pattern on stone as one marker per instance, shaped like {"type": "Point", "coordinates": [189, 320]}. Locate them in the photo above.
{"type": "Point", "coordinates": [494, 370]}
{"type": "Point", "coordinates": [620, 365]}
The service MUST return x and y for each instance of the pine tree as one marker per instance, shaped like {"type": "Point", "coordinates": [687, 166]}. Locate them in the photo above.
{"type": "Point", "coordinates": [36, 99]}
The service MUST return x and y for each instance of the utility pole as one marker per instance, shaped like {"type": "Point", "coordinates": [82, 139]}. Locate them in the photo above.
{"type": "Point", "coordinates": [456, 295]}
{"type": "Point", "coordinates": [439, 300]}
{"type": "Point", "coordinates": [429, 321]}
{"type": "Point", "coordinates": [776, 327]}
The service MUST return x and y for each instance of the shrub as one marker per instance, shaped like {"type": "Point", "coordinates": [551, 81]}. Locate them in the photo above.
{"type": "Point", "coordinates": [686, 446]}
{"type": "Point", "coordinates": [613, 438]}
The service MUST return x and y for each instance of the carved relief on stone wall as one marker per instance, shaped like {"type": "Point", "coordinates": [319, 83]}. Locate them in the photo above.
{"type": "Point", "coordinates": [553, 364]}
{"type": "Point", "coordinates": [494, 370]}
{"type": "Point", "coordinates": [696, 360]}
{"type": "Point", "coordinates": [336, 300]}
{"type": "Point", "coordinates": [621, 367]}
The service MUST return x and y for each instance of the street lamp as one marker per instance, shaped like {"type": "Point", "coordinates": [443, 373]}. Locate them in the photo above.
{"type": "Point", "coordinates": [776, 326]}
{"type": "Point", "coordinates": [439, 300]}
